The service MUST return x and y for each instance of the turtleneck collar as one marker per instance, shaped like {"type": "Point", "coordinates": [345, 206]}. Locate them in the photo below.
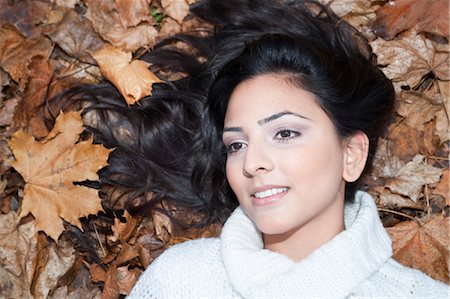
{"type": "Point", "coordinates": [333, 270]}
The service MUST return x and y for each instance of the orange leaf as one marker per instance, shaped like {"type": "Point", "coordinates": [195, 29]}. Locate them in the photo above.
{"type": "Point", "coordinates": [428, 15]}
{"type": "Point", "coordinates": [49, 168]}
{"type": "Point", "coordinates": [176, 9]}
{"type": "Point", "coordinates": [132, 78]}
{"type": "Point", "coordinates": [424, 247]}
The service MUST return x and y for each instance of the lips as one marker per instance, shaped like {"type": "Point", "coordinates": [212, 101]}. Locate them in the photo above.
{"type": "Point", "coordinates": [267, 195]}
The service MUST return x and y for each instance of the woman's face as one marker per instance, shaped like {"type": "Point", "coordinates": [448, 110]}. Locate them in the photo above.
{"type": "Point", "coordinates": [285, 161]}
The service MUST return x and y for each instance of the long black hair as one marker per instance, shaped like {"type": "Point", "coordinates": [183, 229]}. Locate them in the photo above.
{"type": "Point", "coordinates": [168, 145]}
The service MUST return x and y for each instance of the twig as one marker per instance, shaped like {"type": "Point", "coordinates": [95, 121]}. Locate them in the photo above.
{"type": "Point", "coordinates": [98, 239]}
{"type": "Point", "coordinates": [400, 213]}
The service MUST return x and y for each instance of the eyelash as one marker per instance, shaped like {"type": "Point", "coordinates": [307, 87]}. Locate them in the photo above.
{"type": "Point", "coordinates": [293, 134]}
{"type": "Point", "coordinates": [230, 149]}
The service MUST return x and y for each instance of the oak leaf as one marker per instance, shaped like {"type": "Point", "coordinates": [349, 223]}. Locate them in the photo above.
{"type": "Point", "coordinates": [424, 247]}
{"type": "Point", "coordinates": [131, 77]}
{"type": "Point", "coordinates": [49, 168]}
{"type": "Point", "coordinates": [426, 15]}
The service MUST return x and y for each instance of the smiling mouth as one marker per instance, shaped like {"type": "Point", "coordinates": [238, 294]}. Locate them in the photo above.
{"type": "Point", "coordinates": [269, 192]}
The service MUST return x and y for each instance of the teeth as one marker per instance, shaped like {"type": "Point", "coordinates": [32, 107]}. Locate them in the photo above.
{"type": "Point", "coordinates": [270, 192]}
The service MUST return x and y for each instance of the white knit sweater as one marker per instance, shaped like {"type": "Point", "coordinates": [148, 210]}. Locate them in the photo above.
{"type": "Point", "coordinates": [356, 263]}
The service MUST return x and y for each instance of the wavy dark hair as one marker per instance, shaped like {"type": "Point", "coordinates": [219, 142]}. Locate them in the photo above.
{"type": "Point", "coordinates": [169, 144]}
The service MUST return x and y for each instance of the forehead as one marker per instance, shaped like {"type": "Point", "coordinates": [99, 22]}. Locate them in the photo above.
{"type": "Point", "coordinates": [264, 95]}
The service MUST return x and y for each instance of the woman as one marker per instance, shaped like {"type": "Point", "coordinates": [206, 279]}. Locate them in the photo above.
{"type": "Point", "coordinates": [294, 107]}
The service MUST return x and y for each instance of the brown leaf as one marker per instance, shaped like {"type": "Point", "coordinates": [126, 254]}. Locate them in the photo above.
{"type": "Point", "coordinates": [426, 15]}
{"type": "Point", "coordinates": [404, 141]}
{"type": "Point", "coordinates": [176, 9]}
{"type": "Point", "coordinates": [123, 231]}
{"type": "Point", "coordinates": [7, 111]}
{"type": "Point", "coordinates": [25, 14]}
{"type": "Point", "coordinates": [163, 226]}
{"type": "Point", "coordinates": [16, 52]}
{"type": "Point", "coordinates": [417, 109]}
{"type": "Point", "coordinates": [424, 247]}
{"type": "Point", "coordinates": [50, 167]}
{"type": "Point", "coordinates": [443, 187]}
{"type": "Point", "coordinates": [34, 98]}
{"type": "Point", "coordinates": [112, 20]}
{"type": "Point", "coordinates": [390, 200]}
{"type": "Point", "coordinates": [358, 13]}
{"type": "Point", "coordinates": [118, 280]}
{"type": "Point", "coordinates": [408, 179]}
{"type": "Point", "coordinates": [18, 246]}
{"type": "Point", "coordinates": [51, 263]}
{"type": "Point", "coordinates": [134, 12]}
{"type": "Point", "coordinates": [75, 36]}
{"type": "Point", "coordinates": [409, 58]}
{"type": "Point", "coordinates": [132, 78]}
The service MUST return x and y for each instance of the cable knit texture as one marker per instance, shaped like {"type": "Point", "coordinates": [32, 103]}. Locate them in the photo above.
{"type": "Point", "coordinates": [356, 263]}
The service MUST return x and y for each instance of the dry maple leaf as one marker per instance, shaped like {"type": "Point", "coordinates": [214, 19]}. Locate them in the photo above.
{"type": "Point", "coordinates": [16, 52]}
{"type": "Point", "coordinates": [176, 9]}
{"type": "Point", "coordinates": [125, 24]}
{"type": "Point", "coordinates": [76, 36]}
{"type": "Point", "coordinates": [408, 179]}
{"type": "Point", "coordinates": [132, 78]}
{"type": "Point", "coordinates": [409, 58]}
{"type": "Point", "coordinates": [49, 168]}
{"type": "Point", "coordinates": [428, 15]}
{"type": "Point", "coordinates": [424, 247]}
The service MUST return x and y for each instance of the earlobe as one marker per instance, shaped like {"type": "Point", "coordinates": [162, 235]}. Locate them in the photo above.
{"type": "Point", "coordinates": [356, 149]}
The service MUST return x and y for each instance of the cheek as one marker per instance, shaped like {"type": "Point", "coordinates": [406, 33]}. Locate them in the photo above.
{"type": "Point", "coordinates": [233, 178]}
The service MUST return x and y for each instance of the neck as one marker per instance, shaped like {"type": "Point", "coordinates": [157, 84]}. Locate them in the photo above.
{"type": "Point", "coordinates": [301, 242]}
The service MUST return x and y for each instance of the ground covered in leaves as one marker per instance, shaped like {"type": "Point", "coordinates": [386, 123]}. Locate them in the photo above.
{"type": "Point", "coordinates": [61, 240]}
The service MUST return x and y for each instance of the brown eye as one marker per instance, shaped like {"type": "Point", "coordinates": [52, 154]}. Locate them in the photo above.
{"type": "Point", "coordinates": [286, 134]}
{"type": "Point", "coordinates": [235, 146]}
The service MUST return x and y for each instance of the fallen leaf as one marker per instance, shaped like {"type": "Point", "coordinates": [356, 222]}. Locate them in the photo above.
{"type": "Point", "coordinates": [16, 52]}
{"type": "Point", "coordinates": [24, 14]}
{"type": "Point", "coordinates": [134, 12]}
{"type": "Point", "coordinates": [409, 58]}
{"type": "Point", "coordinates": [75, 36]}
{"type": "Point", "coordinates": [425, 15]}
{"type": "Point", "coordinates": [404, 141]}
{"type": "Point", "coordinates": [163, 226]}
{"type": "Point", "coordinates": [51, 263]}
{"type": "Point", "coordinates": [358, 13]}
{"type": "Point", "coordinates": [18, 247]}
{"type": "Point", "coordinates": [443, 187]}
{"type": "Point", "coordinates": [112, 20]}
{"type": "Point", "coordinates": [176, 9]}
{"type": "Point", "coordinates": [417, 109]}
{"type": "Point", "coordinates": [7, 111]}
{"type": "Point", "coordinates": [118, 280]}
{"type": "Point", "coordinates": [408, 179]}
{"type": "Point", "coordinates": [34, 97]}
{"type": "Point", "coordinates": [131, 77]}
{"type": "Point", "coordinates": [389, 200]}
{"type": "Point", "coordinates": [122, 231]}
{"type": "Point", "coordinates": [424, 247]}
{"type": "Point", "coordinates": [57, 162]}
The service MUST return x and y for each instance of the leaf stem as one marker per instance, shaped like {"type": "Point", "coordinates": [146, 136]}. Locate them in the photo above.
{"type": "Point", "coordinates": [401, 214]}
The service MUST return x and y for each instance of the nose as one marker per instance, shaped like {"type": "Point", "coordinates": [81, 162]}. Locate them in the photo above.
{"type": "Point", "coordinates": [257, 160]}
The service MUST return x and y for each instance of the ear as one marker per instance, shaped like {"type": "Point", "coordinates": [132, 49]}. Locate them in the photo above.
{"type": "Point", "coordinates": [356, 149]}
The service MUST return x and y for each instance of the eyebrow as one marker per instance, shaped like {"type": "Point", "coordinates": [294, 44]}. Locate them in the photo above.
{"type": "Point", "coordinates": [265, 120]}
{"type": "Point", "coordinates": [278, 115]}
